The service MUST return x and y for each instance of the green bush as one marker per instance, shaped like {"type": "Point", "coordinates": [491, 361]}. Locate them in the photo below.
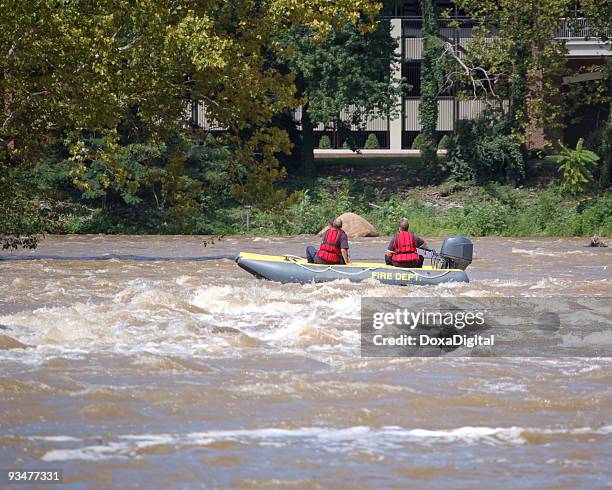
{"type": "Point", "coordinates": [480, 151]}
{"type": "Point", "coordinates": [186, 189]}
{"type": "Point", "coordinates": [348, 144]}
{"type": "Point", "coordinates": [576, 166]}
{"type": "Point", "coordinates": [419, 142]}
{"type": "Point", "coordinates": [372, 142]}
{"type": "Point", "coordinates": [545, 209]}
{"type": "Point", "coordinates": [325, 142]}
{"type": "Point", "coordinates": [480, 218]}
{"type": "Point", "coordinates": [596, 216]}
{"type": "Point", "coordinates": [443, 144]}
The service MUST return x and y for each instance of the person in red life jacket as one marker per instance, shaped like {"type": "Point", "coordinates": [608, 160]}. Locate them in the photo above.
{"type": "Point", "coordinates": [402, 250]}
{"type": "Point", "coordinates": [334, 246]}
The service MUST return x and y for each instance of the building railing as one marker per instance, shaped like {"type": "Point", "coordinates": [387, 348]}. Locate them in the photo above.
{"type": "Point", "coordinates": [200, 118]}
{"type": "Point", "coordinates": [577, 28]}
{"type": "Point", "coordinates": [574, 28]}
{"type": "Point", "coordinates": [459, 36]}
{"type": "Point", "coordinates": [450, 109]}
{"type": "Point", "coordinates": [378, 122]}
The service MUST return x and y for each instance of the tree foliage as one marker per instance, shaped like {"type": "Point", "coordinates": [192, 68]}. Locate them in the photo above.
{"type": "Point", "coordinates": [598, 13]}
{"type": "Point", "coordinates": [19, 218]}
{"type": "Point", "coordinates": [595, 92]}
{"type": "Point", "coordinates": [603, 147]}
{"type": "Point", "coordinates": [431, 71]}
{"type": "Point", "coordinates": [88, 64]}
{"type": "Point", "coordinates": [73, 70]}
{"type": "Point", "coordinates": [351, 69]}
{"type": "Point", "coordinates": [518, 59]}
{"type": "Point", "coordinates": [481, 151]}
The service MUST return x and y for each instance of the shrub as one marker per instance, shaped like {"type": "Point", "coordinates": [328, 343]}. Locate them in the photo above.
{"type": "Point", "coordinates": [372, 142]}
{"type": "Point", "coordinates": [480, 151]}
{"type": "Point", "coordinates": [443, 144]}
{"type": "Point", "coordinates": [501, 158]}
{"type": "Point", "coordinates": [596, 216]}
{"type": "Point", "coordinates": [576, 166]}
{"type": "Point", "coordinates": [171, 187]}
{"type": "Point", "coordinates": [348, 144]}
{"type": "Point", "coordinates": [419, 142]}
{"type": "Point", "coordinates": [325, 142]}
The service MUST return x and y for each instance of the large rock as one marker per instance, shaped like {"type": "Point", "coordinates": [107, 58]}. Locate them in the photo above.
{"type": "Point", "coordinates": [355, 226]}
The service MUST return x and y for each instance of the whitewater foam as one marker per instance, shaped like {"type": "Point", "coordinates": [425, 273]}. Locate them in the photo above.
{"type": "Point", "coordinates": [327, 439]}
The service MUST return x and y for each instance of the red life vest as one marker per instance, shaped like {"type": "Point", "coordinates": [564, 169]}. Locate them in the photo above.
{"type": "Point", "coordinates": [330, 250]}
{"type": "Point", "coordinates": [405, 247]}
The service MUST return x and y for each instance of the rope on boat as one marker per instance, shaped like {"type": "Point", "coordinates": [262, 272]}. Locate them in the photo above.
{"type": "Point", "coordinates": [293, 258]}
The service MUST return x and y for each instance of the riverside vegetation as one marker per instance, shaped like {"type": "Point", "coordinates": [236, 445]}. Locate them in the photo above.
{"type": "Point", "coordinates": [199, 201]}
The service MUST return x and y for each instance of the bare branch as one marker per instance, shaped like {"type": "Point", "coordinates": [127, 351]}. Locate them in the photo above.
{"type": "Point", "coordinates": [134, 44]}
{"type": "Point", "coordinates": [470, 73]}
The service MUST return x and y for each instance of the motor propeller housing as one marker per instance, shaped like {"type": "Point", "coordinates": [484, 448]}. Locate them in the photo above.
{"type": "Point", "coordinates": [457, 252]}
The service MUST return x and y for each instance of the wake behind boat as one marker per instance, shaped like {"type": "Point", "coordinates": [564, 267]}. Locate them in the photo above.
{"type": "Point", "coordinates": [447, 266]}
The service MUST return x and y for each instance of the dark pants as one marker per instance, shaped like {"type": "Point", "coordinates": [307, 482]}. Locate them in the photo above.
{"type": "Point", "coordinates": [414, 263]}
{"type": "Point", "coordinates": [313, 258]}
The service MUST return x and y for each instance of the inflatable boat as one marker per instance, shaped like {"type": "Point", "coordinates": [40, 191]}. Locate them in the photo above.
{"type": "Point", "coordinates": [292, 269]}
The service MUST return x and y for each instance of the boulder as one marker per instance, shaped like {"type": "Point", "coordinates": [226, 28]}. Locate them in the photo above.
{"type": "Point", "coordinates": [355, 226]}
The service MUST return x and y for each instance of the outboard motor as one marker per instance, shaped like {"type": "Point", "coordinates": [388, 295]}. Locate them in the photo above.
{"type": "Point", "coordinates": [456, 253]}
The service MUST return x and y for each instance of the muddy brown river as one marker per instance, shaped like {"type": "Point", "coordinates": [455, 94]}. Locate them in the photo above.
{"type": "Point", "coordinates": [158, 368]}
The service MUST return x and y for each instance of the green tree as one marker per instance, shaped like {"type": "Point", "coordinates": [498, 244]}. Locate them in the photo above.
{"type": "Point", "coordinates": [351, 69]}
{"type": "Point", "coordinates": [605, 150]}
{"type": "Point", "coordinates": [598, 13]}
{"type": "Point", "coordinates": [482, 151]}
